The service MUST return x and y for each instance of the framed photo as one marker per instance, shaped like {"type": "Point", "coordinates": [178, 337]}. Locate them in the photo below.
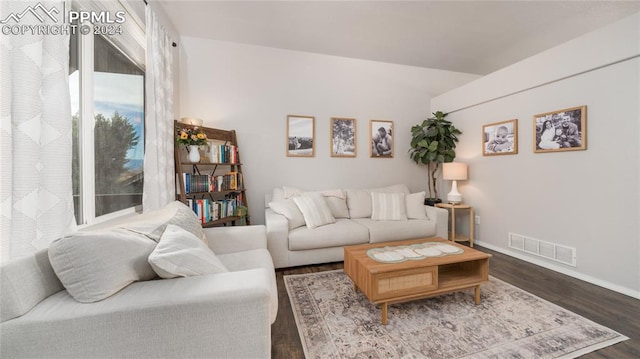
{"type": "Point", "coordinates": [563, 130]}
{"type": "Point", "coordinates": [381, 139]}
{"type": "Point", "coordinates": [500, 138]}
{"type": "Point", "coordinates": [300, 136]}
{"type": "Point", "coordinates": [343, 137]}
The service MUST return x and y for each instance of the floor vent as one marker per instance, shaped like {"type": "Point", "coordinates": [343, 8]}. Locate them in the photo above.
{"type": "Point", "coordinates": [555, 252]}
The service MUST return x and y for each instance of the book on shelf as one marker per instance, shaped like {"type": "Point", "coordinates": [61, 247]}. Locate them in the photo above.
{"type": "Point", "coordinates": [194, 183]}
{"type": "Point", "coordinates": [209, 210]}
{"type": "Point", "coordinates": [223, 153]}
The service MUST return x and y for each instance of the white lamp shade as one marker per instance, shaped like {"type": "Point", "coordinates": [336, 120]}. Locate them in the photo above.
{"type": "Point", "coordinates": [454, 171]}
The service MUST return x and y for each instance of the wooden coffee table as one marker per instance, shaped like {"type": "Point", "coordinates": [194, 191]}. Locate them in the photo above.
{"type": "Point", "coordinates": [388, 283]}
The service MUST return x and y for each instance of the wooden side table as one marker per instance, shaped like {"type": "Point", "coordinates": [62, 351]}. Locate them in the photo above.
{"type": "Point", "coordinates": [453, 236]}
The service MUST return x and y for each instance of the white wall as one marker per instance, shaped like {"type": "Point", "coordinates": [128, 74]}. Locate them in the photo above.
{"type": "Point", "coordinates": [252, 89]}
{"type": "Point", "coordinates": [589, 199]}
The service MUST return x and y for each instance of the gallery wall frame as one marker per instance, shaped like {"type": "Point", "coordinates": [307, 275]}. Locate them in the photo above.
{"type": "Point", "coordinates": [380, 139]}
{"type": "Point", "coordinates": [500, 138]}
{"type": "Point", "coordinates": [301, 140]}
{"type": "Point", "coordinates": [561, 130]}
{"type": "Point", "coordinates": [343, 137]}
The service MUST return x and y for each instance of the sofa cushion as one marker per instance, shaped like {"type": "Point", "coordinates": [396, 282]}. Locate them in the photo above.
{"type": "Point", "coordinates": [336, 199]}
{"type": "Point", "coordinates": [289, 209]}
{"type": "Point", "coordinates": [388, 207]}
{"type": "Point", "coordinates": [24, 282]}
{"type": "Point", "coordinates": [415, 206]}
{"type": "Point", "coordinates": [94, 265]}
{"type": "Point", "coordinates": [384, 231]}
{"type": "Point", "coordinates": [152, 224]}
{"type": "Point", "coordinates": [181, 254]}
{"type": "Point", "coordinates": [341, 233]}
{"type": "Point", "coordinates": [359, 200]}
{"type": "Point", "coordinates": [315, 210]}
{"type": "Point", "coordinates": [359, 203]}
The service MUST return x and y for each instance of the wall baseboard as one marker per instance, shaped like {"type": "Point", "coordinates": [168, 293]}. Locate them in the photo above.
{"type": "Point", "coordinates": [556, 268]}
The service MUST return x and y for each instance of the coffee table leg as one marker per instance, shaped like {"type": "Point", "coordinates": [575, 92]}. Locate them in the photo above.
{"type": "Point", "coordinates": [384, 313]}
{"type": "Point", "coordinates": [477, 294]}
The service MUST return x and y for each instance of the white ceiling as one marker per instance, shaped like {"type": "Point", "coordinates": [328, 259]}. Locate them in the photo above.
{"type": "Point", "coordinates": [476, 37]}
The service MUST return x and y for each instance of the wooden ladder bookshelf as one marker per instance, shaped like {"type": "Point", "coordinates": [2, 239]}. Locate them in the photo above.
{"type": "Point", "coordinates": [213, 168]}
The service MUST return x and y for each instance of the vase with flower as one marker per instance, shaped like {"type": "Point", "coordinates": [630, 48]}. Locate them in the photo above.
{"type": "Point", "coordinates": [192, 138]}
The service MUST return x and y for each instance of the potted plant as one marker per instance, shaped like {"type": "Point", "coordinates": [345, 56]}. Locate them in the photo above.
{"type": "Point", "coordinates": [192, 138]}
{"type": "Point", "coordinates": [433, 142]}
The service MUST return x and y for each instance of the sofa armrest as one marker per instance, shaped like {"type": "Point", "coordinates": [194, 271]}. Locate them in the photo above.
{"type": "Point", "coordinates": [193, 317]}
{"type": "Point", "coordinates": [277, 238]}
{"type": "Point", "coordinates": [441, 216]}
{"type": "Point", "coordinates": [236, 239]}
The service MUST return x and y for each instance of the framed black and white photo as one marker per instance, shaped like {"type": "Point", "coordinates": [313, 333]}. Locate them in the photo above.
{"type": "Point", "coordinates": [500, 138]}
{"type": "Point", "coordinates": [343, 137]}
{"type": "Point", "coordinates": [300, 136]}
{"type": "Point", "coordinates": [381, 139]}
{"type": "Point", "coordinates": [563, 130]}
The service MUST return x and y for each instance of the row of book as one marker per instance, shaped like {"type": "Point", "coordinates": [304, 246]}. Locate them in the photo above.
{"type": "Point", "coordinates": [230, 181]}
{"type": "Point", "coordinates": [223, 154]}
{"type": "Point", "coordinates": [209, 210]}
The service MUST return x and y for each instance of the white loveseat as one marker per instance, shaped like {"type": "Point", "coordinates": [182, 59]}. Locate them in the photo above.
{"type": "Point", "coordinates": [292, 243]}
{"type": "Point", "coordinates": [222, 315]}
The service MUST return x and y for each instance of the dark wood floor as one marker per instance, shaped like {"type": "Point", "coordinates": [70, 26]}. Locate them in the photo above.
{"type": "Point", "coordinates": [616, 311]}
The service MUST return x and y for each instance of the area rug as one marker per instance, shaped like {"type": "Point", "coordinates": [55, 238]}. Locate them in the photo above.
{"type": "Point", "coordinates": [334, 321]}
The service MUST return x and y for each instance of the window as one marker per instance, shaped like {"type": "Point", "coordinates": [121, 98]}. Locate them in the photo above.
{"type": "Point", "coordinates": [107, 96]}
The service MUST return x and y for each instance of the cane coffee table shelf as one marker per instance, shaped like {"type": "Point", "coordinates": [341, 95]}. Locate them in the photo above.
{"type": "Point", "coordinates": [388, 283]}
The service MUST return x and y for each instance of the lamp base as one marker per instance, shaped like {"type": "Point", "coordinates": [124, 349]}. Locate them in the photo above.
{"type": "Point", "coordinates": [454, 197]}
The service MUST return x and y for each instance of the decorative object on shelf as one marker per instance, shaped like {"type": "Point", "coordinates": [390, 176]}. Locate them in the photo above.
{"type": "Point", "coordinates": [191, 121]}
{"type": "Point", "coordinates": [300, 136]}
{"type": "Point", "coordinates": [194, 154]}
{"type": "Point", "coordinates": [563, 130]}
{"type": "Point", "coordinates": [500, 138]}
{"type": "Point", "coordinates": [454, 171]}
{"type": "Point", "coordinates": [343, 137]}
{"type": "Point", "coordinates": [433, 142]}
{"type": "Point", "coordinates": [381, 139]}
{"type": "Point", "coordinates": [192, 137]}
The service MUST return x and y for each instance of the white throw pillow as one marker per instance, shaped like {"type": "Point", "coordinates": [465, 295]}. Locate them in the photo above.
{"type": "Point", "coordinates": [388, 207]}
{"type": "Point", "coordinates": [336, 199]}
{"type": "Point", "coordinates": [181, 254]}
{"type": "Point", "coordinates": [94, 265]}
{"type": "Point", "coordinates": [290, 192]}
{"type": "Point", "coordinates": [338, 206]}
{"type": "Point", "coordinates": [415, 206]}
{"type": "Point", "coordinates": [152, 224]}
{"type": "Point", "coordinates": [315, 210]}
{"type": "Point", "coordinates": [289, 209]}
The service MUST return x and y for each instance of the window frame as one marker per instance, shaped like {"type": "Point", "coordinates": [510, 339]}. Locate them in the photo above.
{"type": "Point", "coordinates": [86, 122]}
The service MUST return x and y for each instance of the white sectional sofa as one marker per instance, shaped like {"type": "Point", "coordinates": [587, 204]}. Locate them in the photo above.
{"type": "Point", "coordinates": [222, 315]}
{"type": "Point", "coordinates": [358, 218]}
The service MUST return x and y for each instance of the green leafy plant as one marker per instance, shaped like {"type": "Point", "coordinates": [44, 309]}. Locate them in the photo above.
{"type": "Point", "coordinates": [433, 142]}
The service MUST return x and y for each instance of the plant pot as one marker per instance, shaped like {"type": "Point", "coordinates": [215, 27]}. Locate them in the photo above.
{"type": "Point", "coordinates": [432, 201]}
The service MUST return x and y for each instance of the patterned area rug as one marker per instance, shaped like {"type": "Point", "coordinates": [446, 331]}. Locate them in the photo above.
{"type": "Point", "coordinates": [336, 322]}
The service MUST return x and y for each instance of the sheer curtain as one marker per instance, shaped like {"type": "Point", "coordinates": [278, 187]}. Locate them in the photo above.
{"type": "Point", "coordinates": [35, 159]}
{"type": "Point", "coordinates": [159, 177]}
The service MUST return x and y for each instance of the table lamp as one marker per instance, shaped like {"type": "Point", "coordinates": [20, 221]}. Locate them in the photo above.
{"type": "Point", "coordinates": [454, 171]}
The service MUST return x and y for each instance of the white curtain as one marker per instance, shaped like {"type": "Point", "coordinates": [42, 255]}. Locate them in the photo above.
{"type": "Point", "coordinates": [35, 158]}
{"type": "Point", "coordinates": [159, 177]}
